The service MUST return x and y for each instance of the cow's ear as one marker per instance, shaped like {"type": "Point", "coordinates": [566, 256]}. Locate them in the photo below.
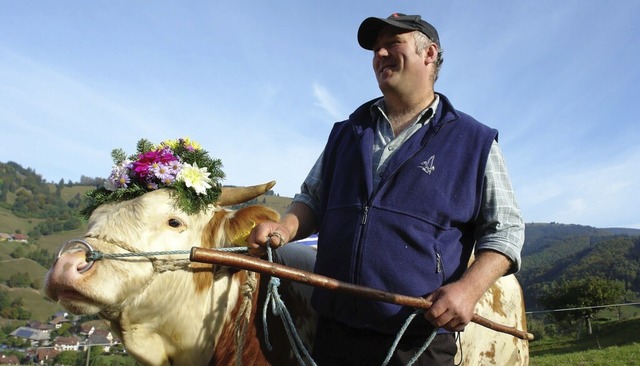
{"type": "Point", "coordinates": [243, 220]}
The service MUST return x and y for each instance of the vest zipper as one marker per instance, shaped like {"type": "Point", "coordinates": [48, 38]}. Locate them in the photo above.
{"type": "Point", "coordinates": [440, 266]}
{"type": "Point", "coordinates": [364, 215]}
{"type": "Point", "coordinates": [358, 262]}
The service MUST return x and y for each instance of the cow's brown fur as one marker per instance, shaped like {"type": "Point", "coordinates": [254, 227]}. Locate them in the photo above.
{"type": "Point", "coordinates": [226, 350]}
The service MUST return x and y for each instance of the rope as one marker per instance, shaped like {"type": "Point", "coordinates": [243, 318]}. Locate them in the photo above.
{"type": "Point", "coordinates": [278, 308]}
{"type": "Point", "coordinates": [96, 255]}
{"type": "Point", "coordinates": [399, 336]}
{"type": "Point", "coordinates": [244, 314]}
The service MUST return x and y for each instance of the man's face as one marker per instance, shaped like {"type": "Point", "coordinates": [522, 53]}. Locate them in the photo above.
{"type": "Point", "coordinates": [395, 61]}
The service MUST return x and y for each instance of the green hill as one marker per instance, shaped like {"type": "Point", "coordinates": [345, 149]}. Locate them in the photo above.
{"type": "Point", "coordinates": [554, 252]}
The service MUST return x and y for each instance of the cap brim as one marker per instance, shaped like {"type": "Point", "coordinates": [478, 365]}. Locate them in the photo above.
{"type": "Point", "coordinates": [370, 27]}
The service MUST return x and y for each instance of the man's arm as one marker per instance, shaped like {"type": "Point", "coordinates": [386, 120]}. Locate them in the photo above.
{"type": "Point", "coordinates": [499, 240]}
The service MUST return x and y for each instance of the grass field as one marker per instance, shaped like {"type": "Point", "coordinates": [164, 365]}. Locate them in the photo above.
{"type": "Point", "coordinates": [615, 343]}
{"type": "Point", "coordinates": [21, 265]}
{"type": "Point", "coordinates": [9, 222]}
{"type": "Point", "coordinates": [35, 302]}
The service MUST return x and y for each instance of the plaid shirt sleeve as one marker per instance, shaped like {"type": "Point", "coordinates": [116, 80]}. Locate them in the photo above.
{"type": "Point", "coordinates": [500, 226]}
{"type": "Point", "coordinates": [311, 189]}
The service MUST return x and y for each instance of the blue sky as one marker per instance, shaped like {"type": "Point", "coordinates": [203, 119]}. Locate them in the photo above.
{"type": "Point", "coordinates": [260, 83]}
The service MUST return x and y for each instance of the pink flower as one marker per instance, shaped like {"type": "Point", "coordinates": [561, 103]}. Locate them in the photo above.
{"type": "Point", "coordinates": [147, 162]}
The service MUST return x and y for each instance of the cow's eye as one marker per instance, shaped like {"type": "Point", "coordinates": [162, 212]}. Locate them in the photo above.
{"type": "Point", "coordinates": [174, 223]}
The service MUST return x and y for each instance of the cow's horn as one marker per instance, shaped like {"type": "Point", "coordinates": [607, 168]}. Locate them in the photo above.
{"type": "Point", "coordinates": [234, 195]}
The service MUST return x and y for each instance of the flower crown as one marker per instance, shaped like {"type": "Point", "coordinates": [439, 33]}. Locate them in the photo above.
{"type": "Point", "coordinates": [180, 165]}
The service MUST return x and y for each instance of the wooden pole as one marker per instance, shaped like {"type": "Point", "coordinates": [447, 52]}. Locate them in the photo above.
{"type": "Point", "coordinates": [213, 256]}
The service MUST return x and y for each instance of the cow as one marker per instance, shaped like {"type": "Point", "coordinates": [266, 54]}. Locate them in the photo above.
{"type": "Point", "coordinates": [193, 314]}
{"type": "Point", "coordinates": [169, 311]}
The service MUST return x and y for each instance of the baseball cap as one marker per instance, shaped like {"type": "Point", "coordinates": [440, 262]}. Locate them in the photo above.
{"type": "Point", "coordinates": [370, 27]}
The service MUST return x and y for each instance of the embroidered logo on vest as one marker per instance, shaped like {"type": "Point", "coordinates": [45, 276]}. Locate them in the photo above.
{"type": "Point", "coordinates": [427, 165]}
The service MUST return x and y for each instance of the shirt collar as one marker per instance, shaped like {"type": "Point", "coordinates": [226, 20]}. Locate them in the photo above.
{"type": "Point", "coordinates": [378, 110]}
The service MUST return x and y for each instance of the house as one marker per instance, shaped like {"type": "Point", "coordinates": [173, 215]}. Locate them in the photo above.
{"type": "Point", "coordinates": [41, 326]}
{"type": "Point", "coordinates": [87, 329]}
{"type": "Point", "coordinates": [45, 355]}
{"type": "Point", "coordinates": [57, 321]}
{"type": "Point", "coordinates": [106, 333]}
{"type": "Point", "coordinates": [61, 314]}
{"type": "Point", "coordinates": [20, 237]}
{"type": "Point", "coordinates": [9, 359]}
{"type": "Point", "coordinates": [5, 237]}
{"type": "Point", "coordinates": [35, 336]}
{"type": "Point", "coordinates": [66, 343]}
{"type": "Point", "coordinates": [100, 339]}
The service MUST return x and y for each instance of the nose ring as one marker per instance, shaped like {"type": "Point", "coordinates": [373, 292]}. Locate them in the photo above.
{"type": "Point", "coordinates": [74, 246]}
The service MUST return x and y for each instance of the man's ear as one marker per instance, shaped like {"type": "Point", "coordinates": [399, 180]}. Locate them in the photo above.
{"type": "Point", "coordinates": [431, 54]}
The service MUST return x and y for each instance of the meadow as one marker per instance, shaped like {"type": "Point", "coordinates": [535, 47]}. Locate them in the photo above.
{"type": "Point", "coordinates": [613, 343]}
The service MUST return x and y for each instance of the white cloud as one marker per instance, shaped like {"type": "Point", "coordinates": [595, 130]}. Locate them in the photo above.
{"type": "Point", "coordinates": [325, 100]}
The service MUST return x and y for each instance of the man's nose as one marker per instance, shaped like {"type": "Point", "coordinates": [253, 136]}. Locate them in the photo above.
{"type": "Point", "coordinates": [380, 52]}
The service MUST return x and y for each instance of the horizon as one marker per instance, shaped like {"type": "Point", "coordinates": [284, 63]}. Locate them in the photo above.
{"type": "Point", "coordinates": [260, 85]}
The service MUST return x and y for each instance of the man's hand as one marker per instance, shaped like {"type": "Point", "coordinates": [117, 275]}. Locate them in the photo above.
{"type": "Point", "coordinates": [453, 307]}
{"type": "Point", "coordinates": [272, 233]}
{"type": "Point", "coordinates": [454, 304]}
{"type": "Point", "coordinates": [298, 222]}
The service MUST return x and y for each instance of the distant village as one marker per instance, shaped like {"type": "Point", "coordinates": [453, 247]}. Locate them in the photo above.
{"type": "Point", "coordinates": [41, 349]}
{"type": "Point", "coordinates": [14, 237]}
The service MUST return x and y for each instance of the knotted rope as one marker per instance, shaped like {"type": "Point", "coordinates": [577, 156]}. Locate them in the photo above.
{"type": "Point", "coordinates": [244, 314]}
{"type": "Point", "coordinates": [278, 308]}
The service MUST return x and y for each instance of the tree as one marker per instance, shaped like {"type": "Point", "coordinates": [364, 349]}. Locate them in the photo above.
{"type": "Point", "coordinates": [67, 358]}
{"type": "Point", "coordinates": [19, 252]}
{"type": "Point", "coordinates": [20, 279]}
{"type": "Point", "coordinates": [59, 188]}
{"type": "Point", "coordinates": [64, 330]}
{"type": "Point", "coordinates": [586, 295]}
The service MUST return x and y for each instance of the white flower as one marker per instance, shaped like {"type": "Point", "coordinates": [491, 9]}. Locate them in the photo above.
{"type": "Point", "coordinates": [194, 177]}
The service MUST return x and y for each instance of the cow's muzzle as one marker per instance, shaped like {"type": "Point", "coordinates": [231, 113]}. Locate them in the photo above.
{"type": "Point", "coordinates": [75, 246]}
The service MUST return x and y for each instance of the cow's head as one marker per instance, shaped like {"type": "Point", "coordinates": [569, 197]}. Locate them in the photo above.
{"type": "Point", "coordinates": [152, 222]}
{"type": "Point", "coordinates": [164, 198]}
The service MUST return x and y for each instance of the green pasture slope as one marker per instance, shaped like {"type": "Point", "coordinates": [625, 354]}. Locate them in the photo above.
{"type": "Point", "coordinates": [614, 343]}
{"type": "Point", "coordinates": [9, 222]}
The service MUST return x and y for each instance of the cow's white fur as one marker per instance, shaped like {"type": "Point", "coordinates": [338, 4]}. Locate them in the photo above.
{"type": "Point", "coordinates": [502, 304]}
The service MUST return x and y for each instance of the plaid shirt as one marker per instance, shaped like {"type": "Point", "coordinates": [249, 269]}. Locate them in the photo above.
{"type": "Point", "coordinates": [499, 225]}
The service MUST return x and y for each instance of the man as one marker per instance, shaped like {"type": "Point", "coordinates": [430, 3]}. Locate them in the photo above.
{"type": "Point", "coordinates": [403, 193]}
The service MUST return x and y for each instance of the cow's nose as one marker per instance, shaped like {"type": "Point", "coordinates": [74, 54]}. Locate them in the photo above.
{"type": "Point", "coordinates": [75, 246]}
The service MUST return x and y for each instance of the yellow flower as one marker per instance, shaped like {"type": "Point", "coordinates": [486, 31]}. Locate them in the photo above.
{"type": "Point", "coordinates": [187, 143]}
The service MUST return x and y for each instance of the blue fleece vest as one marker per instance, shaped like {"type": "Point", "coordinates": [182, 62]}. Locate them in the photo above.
{"type": "Point", "coordinates": [416, 231]}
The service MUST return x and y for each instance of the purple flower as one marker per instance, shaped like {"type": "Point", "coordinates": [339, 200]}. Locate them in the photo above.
{"type": "Point", "coordinates": [164, 173]}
